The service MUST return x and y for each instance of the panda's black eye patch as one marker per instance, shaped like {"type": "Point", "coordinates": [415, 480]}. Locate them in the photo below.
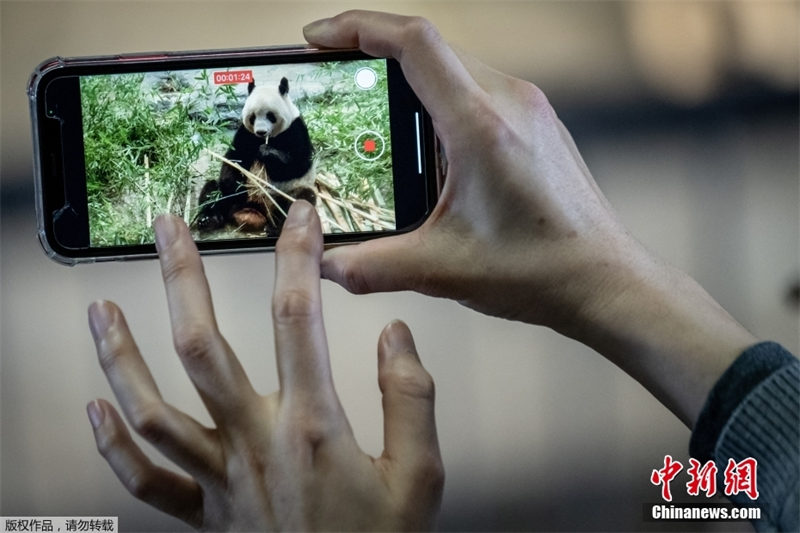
{"type": "Point", "coordinates": [251, 119]}
{"type": "Point", "coordinates": [271, 117]}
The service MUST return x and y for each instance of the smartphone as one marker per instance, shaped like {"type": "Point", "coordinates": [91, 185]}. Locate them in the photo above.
{"type": "Point", "coordinates": [225, 139]}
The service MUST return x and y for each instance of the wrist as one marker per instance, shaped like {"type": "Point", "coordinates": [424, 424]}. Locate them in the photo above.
{"type": "Point", "coordinates": [658, 325]}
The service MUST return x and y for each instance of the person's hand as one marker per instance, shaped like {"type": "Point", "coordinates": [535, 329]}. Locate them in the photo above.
{"type": "Point", "coordinates": [287, 461]}
{"type": "Point", "coordinates": [521, 229]}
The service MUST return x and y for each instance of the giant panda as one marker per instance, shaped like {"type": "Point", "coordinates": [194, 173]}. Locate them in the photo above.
{"type": "Point", "coordinates": [272, 141]}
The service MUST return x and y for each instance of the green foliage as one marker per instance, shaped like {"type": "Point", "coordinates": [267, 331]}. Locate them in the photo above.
{"type": "Point", "coordinates": [141, 147]}
{"type": "Point", "coordinates": [334, 119]}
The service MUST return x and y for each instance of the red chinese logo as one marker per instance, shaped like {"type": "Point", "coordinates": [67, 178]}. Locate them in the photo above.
{"type": "Point", "coordinates": [665, 475]}
{"type": "Point", "coordinates": [738, 477]}
{"type": "Point", "coordinates": [703, 478]}
{"type": "Point", "coordinates": [741, 477]}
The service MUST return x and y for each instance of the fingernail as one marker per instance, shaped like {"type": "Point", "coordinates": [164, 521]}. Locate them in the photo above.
{"type": "Point", "coordinates": [96, 414]}
{"type": "Point", "coordinates": [399, 339]}
{"type": "Point", "coordinates": [101, 316]}
{"type": "Point", "coordinates": [166, 231]}
{"type": "Point", "coordinates": [313, 27]}
{"type": "Point", "coordinates": [299, 214]}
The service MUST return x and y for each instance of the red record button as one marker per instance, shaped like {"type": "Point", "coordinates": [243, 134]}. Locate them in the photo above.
{"type": "Point", "coordinates": [369, 145]}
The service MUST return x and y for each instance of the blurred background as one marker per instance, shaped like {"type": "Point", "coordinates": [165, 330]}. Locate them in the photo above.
{"type": "Point", "coordinates": [687, 114]}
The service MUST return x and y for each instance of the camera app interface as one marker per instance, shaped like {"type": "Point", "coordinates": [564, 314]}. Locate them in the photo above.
{"type": "Point", "coordinates": [229, 150]}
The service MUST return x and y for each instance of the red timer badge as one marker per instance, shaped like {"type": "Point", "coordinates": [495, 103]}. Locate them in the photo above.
{"type": "Point", "coordinates": [233, 76]}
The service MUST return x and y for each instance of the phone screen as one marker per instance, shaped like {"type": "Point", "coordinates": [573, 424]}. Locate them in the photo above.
{"type": "Point", "coordinates": [228, 147]}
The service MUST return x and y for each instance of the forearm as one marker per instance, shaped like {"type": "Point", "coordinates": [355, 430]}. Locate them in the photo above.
{"type": "Point", "coordinates": [662, 328]}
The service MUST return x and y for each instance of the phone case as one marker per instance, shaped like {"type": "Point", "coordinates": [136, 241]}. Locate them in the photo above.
{"type": "Point", "coordinates": [150, 61]}
{"type": "Point", "coordinates": [53, 64]}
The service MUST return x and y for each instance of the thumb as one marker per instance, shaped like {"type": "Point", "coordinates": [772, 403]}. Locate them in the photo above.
{"type": "Point", "coordinates": [380, 265]}
{"type": "Point", "coordinates": [409, 426]}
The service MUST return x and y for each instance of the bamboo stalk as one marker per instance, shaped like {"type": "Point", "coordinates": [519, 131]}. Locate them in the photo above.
{"type": "Point", "coordinates": [343, 212]}
{"type": "Point", "coordinates": [259, 182]}
{"type": "Point", "coordinates": [263, 191]}
{"type": "Point", "coordinates": [331, 182]}
{"type": "Point", "coordinates": [378, 196]}
{"type": "Point", "coordinates": [353, 210]}
{"type": "Point", "coordinates": [324, 193]}
{"type": "Point", "coordinates": [332, 219]}
{"type": "Point", "coordinates": [379, 211]}
{"type": "Point", "coordinates": [250, 175]}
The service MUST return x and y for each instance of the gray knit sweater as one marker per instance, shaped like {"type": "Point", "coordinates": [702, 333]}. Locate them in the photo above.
{"type": "Point", "coordinates": [754, 411]}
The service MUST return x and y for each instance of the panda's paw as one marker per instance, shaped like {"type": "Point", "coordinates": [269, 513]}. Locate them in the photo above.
{"type": "Point", "coordinates": [249, 219]}
{"type": "Point", "coordinates": [305, 193]}
{"type": "Point", "coordinates": [268, 151]}
{"type": "Point", "coordinates": [206, 223]}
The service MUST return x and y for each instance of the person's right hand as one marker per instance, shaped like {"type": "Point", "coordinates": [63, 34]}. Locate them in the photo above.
{"type": "Point", "coordinates": [521, 230]}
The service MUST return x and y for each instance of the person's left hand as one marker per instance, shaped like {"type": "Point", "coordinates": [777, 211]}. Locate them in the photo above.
{"type": "Point", "coordinates": [287, 461]}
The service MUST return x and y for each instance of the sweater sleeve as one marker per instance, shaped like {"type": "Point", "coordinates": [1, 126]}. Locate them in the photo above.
{"type": "Point", "coordinates": [754, 411]}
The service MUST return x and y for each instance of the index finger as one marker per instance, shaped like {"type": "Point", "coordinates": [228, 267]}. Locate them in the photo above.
{"type": "Point", "coordinates": [431, 67]}
{"type": "Point", "coordinates": [206, 356]}
{"type": "Point", "coordinates": [300, 342]}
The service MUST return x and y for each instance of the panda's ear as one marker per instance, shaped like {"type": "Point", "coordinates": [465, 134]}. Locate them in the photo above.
{"type": "Point", "coordinates": [284, 86]}
{"type": "Point", "coordinates": [251, 86]}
